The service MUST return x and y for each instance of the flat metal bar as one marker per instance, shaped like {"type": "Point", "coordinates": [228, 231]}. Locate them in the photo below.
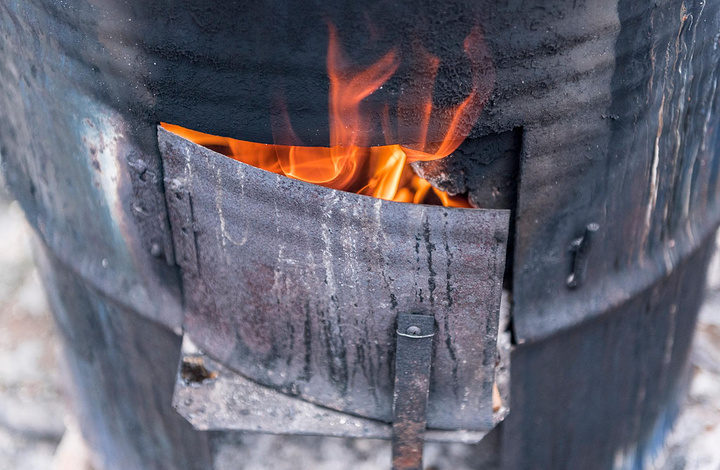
{"type": "Point", "coordinates": [413, 358]}
{"type": "Point", "coordinates": [183, 225]}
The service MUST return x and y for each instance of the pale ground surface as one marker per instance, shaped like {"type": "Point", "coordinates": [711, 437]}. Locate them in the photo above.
{"type": "Point", "coordinates": [33, 414]}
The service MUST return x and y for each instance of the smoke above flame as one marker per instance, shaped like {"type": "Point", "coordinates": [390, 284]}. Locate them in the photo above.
{"type": "Point", "coordinates": [349, 164]}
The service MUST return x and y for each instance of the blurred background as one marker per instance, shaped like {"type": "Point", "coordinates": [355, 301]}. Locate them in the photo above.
{"type": "Point", "coordinates": [37, 430]}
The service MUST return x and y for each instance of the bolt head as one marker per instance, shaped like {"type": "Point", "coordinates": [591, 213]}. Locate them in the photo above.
{"type": "Point", "coordinates": [413, 330]}
{"type": "Point", "coordinates": [155, 250]}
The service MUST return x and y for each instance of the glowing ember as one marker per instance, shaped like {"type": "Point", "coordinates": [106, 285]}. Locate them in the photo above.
{"type": "Point", "coordinates": [349, 164]}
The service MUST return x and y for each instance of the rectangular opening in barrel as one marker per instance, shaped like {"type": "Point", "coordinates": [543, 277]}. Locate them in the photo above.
{"type": "Point", "coordinates": [294, 279]}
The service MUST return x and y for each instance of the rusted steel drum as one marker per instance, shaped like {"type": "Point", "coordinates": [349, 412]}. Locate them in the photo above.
{"type": "Point", "coordinates": [600, 136]}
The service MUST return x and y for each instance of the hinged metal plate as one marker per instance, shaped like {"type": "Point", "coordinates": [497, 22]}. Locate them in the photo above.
{"type": "Point", "coordinates": [221, 399]}
{"type": "Point", "coordinates": [298, 287]}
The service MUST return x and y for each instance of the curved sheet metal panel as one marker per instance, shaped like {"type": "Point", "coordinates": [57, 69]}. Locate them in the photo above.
{"type": "Point", "coordinates": [298, 286]}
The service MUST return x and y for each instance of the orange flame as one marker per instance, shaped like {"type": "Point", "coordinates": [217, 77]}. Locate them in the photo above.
{"type": "Point", "coordinates": [349, 164]}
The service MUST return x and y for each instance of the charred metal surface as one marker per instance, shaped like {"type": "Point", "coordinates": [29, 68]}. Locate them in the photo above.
{"type": "Point", "coordinates": [299, 286]}
{"type": "Point", "coordinates": [487, 169]}
{"type": "Point", "coordinates": [620, 130]}
{"type": "Point", "coordinates": [591, 92]}
{"type": "Point", "coordinates": [618, 125]}
{"type": "Point", "coordinates": [187, 47]}
{"type": "Point", "coordinates": [413, 356]}
{"type": "Point", "coordinates": [621, 410]}
{"type": "Point", "coordinates": [230, 402]}
{"type": "Point", "coordinates": [637, 154]}
{"type": "Point", "coordinates": [617, 101]}
{"type": "Point", "coordinates": [76, 163]}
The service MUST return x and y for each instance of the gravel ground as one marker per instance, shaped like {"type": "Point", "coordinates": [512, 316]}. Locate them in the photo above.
{"type": "Point", "coordinates": [34, 417]}
{"type": "Point", "coordinates": [31, 405]}
{"type": "Point", "coordinates": [695, 442]}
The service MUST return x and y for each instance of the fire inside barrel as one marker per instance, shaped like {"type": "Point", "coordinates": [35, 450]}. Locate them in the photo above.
{"type": "Point", "coordinates": [349, 164]}
{"type": "Point", "coordinates": [197, 293]}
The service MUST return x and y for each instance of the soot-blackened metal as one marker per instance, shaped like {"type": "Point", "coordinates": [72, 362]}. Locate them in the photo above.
{"type": "Point", "coordinates": [618, 106]}
{"type": "Point", "coordinates": [298, 286]}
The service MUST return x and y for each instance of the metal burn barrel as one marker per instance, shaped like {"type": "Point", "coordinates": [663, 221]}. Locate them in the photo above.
{"type": "Point", "coordinates": [592, 170]}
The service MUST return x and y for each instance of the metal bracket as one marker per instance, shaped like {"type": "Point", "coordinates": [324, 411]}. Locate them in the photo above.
{"type": "Point", "coordinates": [413, 358]}
{"type": "Point", "coordinates": [581, 247]}
{"type": "Point", "coordinates": [183, 226]}
{"type": "Point", "coordinates": [147, 197]}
